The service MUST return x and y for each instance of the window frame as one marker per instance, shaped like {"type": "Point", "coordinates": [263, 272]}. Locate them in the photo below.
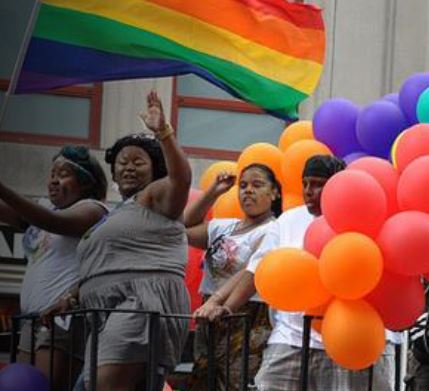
{"type": "Point", "coordinates": [93, 93]}
{"type": "Point", "coordinates": [179, 101]}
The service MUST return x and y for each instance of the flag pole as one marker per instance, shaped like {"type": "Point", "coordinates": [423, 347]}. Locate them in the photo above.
{"type": "Point", "coordinates": [20, 59]}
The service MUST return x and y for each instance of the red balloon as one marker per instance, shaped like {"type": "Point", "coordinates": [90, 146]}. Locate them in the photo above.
{"type": "Point", "coordinates": [414, 143]}
{"type": "Point", "coordinates": [398, 299]}
{"type": "Point", "coordinates": [404, 242]}
{"type": "Point", "coordinates": [384, 173]}
{"type": "Point", "coordinates": [317, 235]}
{"type": "Point", "coordinates": [354, 201]}
{"type": "Point", "coordinates": [413, 186]}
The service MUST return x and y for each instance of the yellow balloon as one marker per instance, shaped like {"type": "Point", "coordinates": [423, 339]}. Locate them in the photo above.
{"type": "Point", "coordinates": [210, 174]}
{"type": "Point", "coordinates": [393, 150]}
{"type": "Point", "coordinates": [300, 130]}
{"type": "Point", "coordinates": [228, 205]}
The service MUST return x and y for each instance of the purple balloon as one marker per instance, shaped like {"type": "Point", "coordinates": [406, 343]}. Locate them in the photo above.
{"type": "Point", "coordinates": [351, 157]}
{"type": "Point", "coordinates": [22, 377]}
{"type": "Point", "coordinates": [393, 97]}
{"type": "Point", "coordinates": [377, 127]}
{"type": "Point", "coordinates": [334, 125]}
{"type": "Point", "coordinates": [410, 93]}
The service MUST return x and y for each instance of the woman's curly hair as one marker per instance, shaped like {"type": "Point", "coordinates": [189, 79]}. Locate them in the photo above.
{"type": "Point", "coordinates": [150, 145]}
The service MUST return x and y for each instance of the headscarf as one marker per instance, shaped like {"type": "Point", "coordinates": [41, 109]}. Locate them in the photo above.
{"type": "Point", "coordinates": [323, 166]}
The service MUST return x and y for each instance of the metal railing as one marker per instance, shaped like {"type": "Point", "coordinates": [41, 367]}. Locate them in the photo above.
{"type": "Point", "coordinates": [91, 317]}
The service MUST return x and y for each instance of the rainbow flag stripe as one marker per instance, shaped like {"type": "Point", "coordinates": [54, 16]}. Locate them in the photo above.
{"type": "Point", "coordinates": [267, 52]}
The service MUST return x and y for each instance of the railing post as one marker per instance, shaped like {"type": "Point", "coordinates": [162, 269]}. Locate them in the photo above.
{"type": "Point", "coordinates": [305, 353]}
{"type": "Point", "coordinates": [152, 365]}
{"type": "Point", "coordinates": [93, 352]}
{"type": "Point", "coordinates": [245, 354]}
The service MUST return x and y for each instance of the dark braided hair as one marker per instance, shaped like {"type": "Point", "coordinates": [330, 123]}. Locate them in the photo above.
{"type": "Point", "coordinates": [276, 205]}
{"type": "Point", "coordinates": [150, 145]}
{"type": "Point", "coordinates": [88, 171]}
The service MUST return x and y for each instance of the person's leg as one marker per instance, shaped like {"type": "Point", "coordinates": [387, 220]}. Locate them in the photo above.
{"type": "Point", "coordinates": [325, 374]}
{"type": "Point", "coordinates": [125, 377]}
{"type": "Point", "coordinates": [280, 369]}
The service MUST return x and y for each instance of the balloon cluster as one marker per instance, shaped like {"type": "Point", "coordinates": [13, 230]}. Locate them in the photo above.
{"type": "Point", "coordinates": [363, 259]}
{"type": "Point", "coordinates": [352, 133]}
{"type": "Point", "coordinates": [296, 145]}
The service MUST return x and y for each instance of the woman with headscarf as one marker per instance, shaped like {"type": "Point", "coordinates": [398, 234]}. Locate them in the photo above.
{"type": "Point", "coordinates": [135, 259]}
{"type": "Point", "coordinates": [76, 187]}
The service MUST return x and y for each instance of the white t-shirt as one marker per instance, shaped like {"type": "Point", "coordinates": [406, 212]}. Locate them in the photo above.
{"type": "Point", "coordinates": [228, 253]}
{"type": "Point", "coordinates": [288, 231]}
{"type": "Point", "coordinates": [52, 267]}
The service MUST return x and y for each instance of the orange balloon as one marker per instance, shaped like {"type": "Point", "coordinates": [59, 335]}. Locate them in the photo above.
{"type": "Point", "coordinates": [262, 153]}
{"type": "Point", "coordinates": [318, 313]}
{"type": "Point", "coordinates": [210, 174]}
{"type": "Point", "coordinates": [288, 279]}
{"type": "Point", "coordinates": [353, 334]}
{"type": "Point", "coordinates": [351, 265]}
{"type": "Point", "coordinates": [228, 205]}
{"type": "Point", "coordinates": [291, 200]}
{"type": "Point", "coordinates": [299, 130]}
{"type": "Point", "coordinates": [293, 162]}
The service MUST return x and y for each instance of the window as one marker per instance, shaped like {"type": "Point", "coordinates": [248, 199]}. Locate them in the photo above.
{"type": "Point", "coordinates": [65, 115]}
{"type": "Point", "coordinates": [211, 123]}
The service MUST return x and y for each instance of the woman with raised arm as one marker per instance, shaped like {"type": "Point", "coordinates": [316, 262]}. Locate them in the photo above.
{"type": "Point", "coordinates": [135, 259]}
{"type": "Point", "coordinates": [76, 187]}
{"type": "Point", "coordinates": [229, 244]}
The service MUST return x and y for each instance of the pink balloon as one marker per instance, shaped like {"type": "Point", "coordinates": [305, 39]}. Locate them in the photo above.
{"type": "Point", "coordinates": [404, 242]}
{"type": "Point", "coordinates": [353, 200]}
{"type": "Point", "coordinates": [398, 299]}
{"type": "Point", "coordinates": [413, 186]}
{"type": "Point", "coordinates": [317, 235]}
{"type": "Point", "coordinates": [384, 173]}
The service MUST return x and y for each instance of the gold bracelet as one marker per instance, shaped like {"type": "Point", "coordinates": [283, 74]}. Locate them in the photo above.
{"type": "Point", "coordinates": [164, 133]}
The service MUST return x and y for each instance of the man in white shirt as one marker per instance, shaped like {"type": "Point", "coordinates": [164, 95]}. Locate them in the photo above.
{"type": "Point", "coordinates": [281, 365]}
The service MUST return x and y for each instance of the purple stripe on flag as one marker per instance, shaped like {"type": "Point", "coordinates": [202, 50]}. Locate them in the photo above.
{"type": "Point", "coordinates": [40, 70]}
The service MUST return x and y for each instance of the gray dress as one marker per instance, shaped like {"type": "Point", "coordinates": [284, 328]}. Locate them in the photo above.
{"type": "Point", "coordinates": [135, 259]}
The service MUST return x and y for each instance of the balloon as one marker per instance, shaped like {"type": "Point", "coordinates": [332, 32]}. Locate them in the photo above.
{"type": "Point", "coordinates": [334, 125]}
{"type": "Point", "coordinates": [288, 280]}
{"type": "Point", "coordinates": [317, 235]}
{"type": "Point", "coordinates": [317, 312]}
{"type": "Point", "coordinates": [22, 377]}
{"type": "Point", "coordinates": [350, 265]}
{"type": "Point", "coordinates": [404, 243]}
{"type": "Point", "coordinates": [393, 97]}
{"type": "Point", "coordinates": [423, 106]}
{"type": "Point", "coordinates": [385, 174]}
{"type": "Point", "coordinates": [398, 299]}
{"type": "Point", "coordinates": [351, 157]}
{"type": "Point", "coordinates": [228, 205]}
{"type": "Point", "coordinates": [299, 130]}
{"type": "Point", "coordinates": [413, 186]}
{"type": "Point", "coordinates": [293, 162]}
{"type": "Point", "coordinates": [210, 174]}
{"type": "Point", "coordinates": [262, 153]}
{"type": "Point", "coordinates": [354, 201]}
{"type": "Point", "coordinates": [353, 334]}
{"type": "Point", "coordinates": [409, 94]}
{"type": "Point", "coordinates": [413, 143]}
{"type": "Point", "coordinates": [394, 149]}
{"type": "Point", "coordinates": [291, 200]}
{"type": "Point", "coordinates": [377, 127]}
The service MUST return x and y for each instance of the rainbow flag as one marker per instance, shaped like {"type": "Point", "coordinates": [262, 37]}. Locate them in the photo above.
{"type": "Point", "coordinates": [267, 52]}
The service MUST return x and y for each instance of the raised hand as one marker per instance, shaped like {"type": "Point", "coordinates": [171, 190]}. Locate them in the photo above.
{"type": "Point", "coordinates": [154, 118]}
{"type": "Point", "coordinates": [224, 181]}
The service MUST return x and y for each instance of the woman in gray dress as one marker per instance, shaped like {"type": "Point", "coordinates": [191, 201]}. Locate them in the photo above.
{"type": "Point", "coordinates": [135, 259]}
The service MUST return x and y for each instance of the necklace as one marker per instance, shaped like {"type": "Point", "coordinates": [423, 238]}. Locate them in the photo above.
{"type": "Point", "coordinates": [241, 228]}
